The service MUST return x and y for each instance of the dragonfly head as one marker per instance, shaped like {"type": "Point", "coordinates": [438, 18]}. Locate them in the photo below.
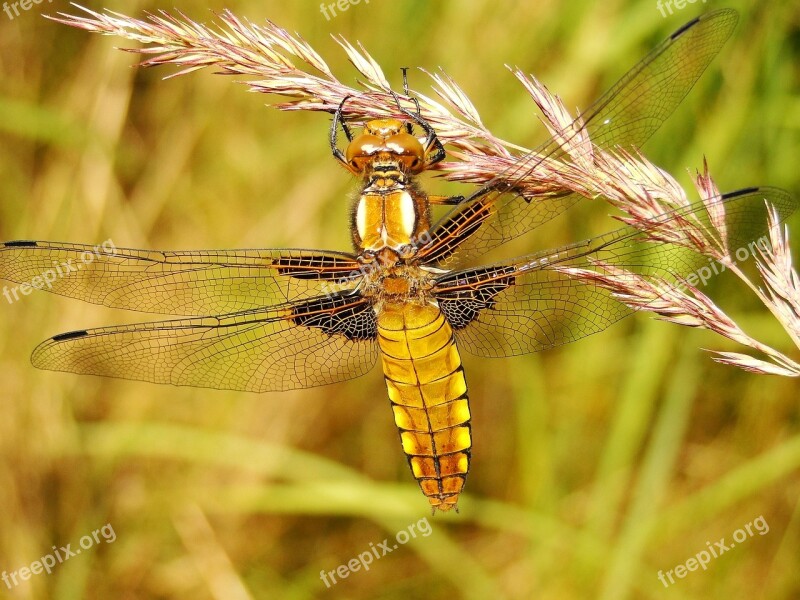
{"type": "Point", "coordinates": [385, 145]}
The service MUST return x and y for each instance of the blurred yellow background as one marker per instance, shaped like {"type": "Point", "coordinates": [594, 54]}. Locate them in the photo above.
{"type": "Point", "coordinates": [595, 465]}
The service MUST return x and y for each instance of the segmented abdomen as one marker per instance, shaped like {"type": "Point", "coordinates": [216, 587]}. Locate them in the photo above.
{"type": "Point", "coordinates": [428, 392]}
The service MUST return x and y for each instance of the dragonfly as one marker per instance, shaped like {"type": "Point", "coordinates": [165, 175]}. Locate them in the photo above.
{"type": "Point", "coordinates": [264, 320]}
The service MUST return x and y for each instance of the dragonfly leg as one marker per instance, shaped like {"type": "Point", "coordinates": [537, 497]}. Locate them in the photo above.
{"type": "Point", "coordinates": [446, 200]}
{"type": "Point", "coordinates": [337, 121]}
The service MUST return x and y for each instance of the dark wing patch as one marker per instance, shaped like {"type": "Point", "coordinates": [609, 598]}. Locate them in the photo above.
{"type": "Point", "coordinates": [337, 315]}
{"type": "Point", "coordinates": [463, 295]}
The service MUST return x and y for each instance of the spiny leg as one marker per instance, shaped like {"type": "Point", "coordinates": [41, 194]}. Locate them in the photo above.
{"type": "Point", "coordinates": [339, 120]}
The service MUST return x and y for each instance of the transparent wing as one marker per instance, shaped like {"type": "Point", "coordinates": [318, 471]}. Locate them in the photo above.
{"type": "Point", "coordinates": [314, 342]}
{"type": "Point", "coordinates": [626, 115]}
{"type": "Point", "coordinates": [192, 283]}
{"type": "Point", "coordinates": [525, 305]}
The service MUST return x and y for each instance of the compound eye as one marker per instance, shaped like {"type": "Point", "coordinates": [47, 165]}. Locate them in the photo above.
{"type": "Point", "coordinates": [405, 144]}
{"type": "Point", "coordinates": [408, 149]}
{"type": "Point", "coordinates": [364, 145]}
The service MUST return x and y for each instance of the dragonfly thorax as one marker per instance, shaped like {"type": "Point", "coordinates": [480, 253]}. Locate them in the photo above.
{"type": "Point", "coordinates": [399, 283]}
{"type": "Point", "coordinates": [390, 212]}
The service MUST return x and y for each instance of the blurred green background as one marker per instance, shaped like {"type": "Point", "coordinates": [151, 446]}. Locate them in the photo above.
{"type": "Point", "coordinates": [595, 465]}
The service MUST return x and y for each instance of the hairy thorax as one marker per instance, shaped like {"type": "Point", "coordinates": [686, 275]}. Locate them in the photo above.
{"type": "Point", "coordinates": [397, 283]}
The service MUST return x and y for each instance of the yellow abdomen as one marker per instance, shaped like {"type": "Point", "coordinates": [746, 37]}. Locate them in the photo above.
{"type": "Point", "coordinates": [428, 392]}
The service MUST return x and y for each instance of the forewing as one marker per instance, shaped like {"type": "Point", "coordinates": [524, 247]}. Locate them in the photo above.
{"type": "Point", "coordinates": [309, 343]}
{"type": "Point", "coordinates": [191, 283]}
{"type": "Point", "coordinates": [526, 305]}
{"type": "Point", "coordinates": [626, 115]}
